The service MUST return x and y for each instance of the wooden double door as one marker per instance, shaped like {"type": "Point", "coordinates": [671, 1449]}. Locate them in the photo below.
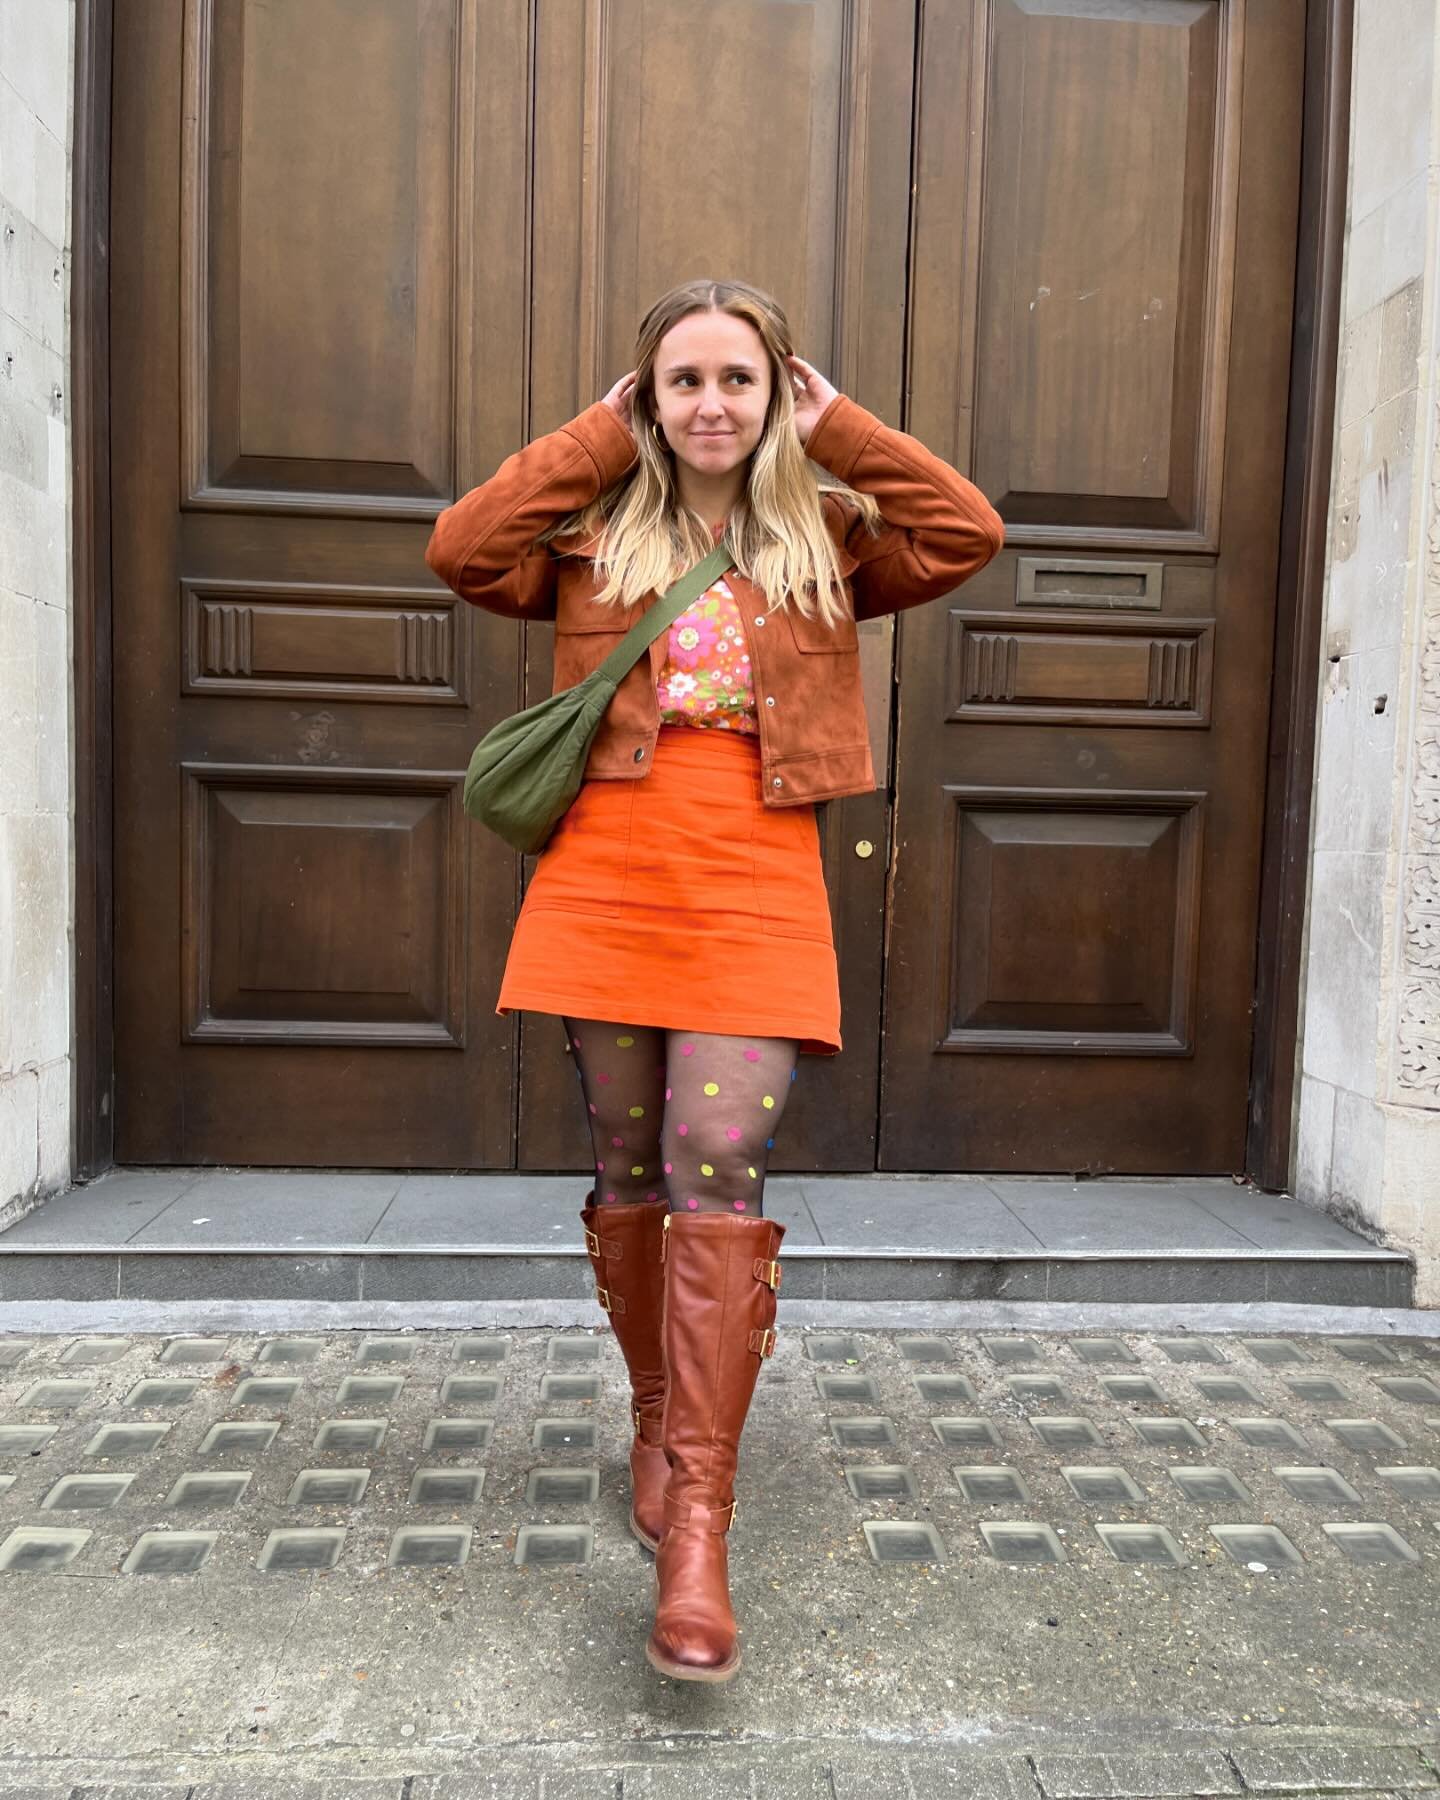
{"type": "Point", "coordinates": [363, 249]}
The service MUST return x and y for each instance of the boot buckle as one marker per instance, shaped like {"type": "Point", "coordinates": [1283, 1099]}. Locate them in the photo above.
{"type": "Point", "coordinates": [664, 1236]}
{"type": "Point", "coordinates": [768, 1272]}
{"type": "Point", "coordinates": [763, 1341]}
{"type": "Point", "coordinates": [592, 1242]}
{"type": "Point", "coordinates": [734, 1508]}
{"type": "Point", "coordinates": [603, 1296]}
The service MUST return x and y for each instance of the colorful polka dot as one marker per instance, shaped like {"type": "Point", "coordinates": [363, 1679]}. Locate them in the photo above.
{"type": "Point", "coordinates": [600, 1167]}
{"type": "Point", "coordinates": [769, 1143]}
{"type": "Point", "coordinates": [609, 1196]}
{"type": "Point", "coordinates": [602, 1079]}
{"type": "Point", "coordinates": [684, 1131]}
{"type": "Point", "coordinates": [667, 1093]}
{"type": "Point", "coordinates": [750, 1173]}
{"type": "Point", "coordinates": [625, 1042]}
{"type": "Point", "coordinates": [639, 1169]}
{"type": "Point", "coordinates": [792, 1074]}
{"type": "Point", "coordinates": [692, 1202]}
{"type": "Point", "coordinates": [687, 1049]}
{"type": "Point", "coordinates": [652, 1196]}
{"type": "Point", "coordinates": [617, 1143]}
{"type": "Point", "coordinates": [637, 1112]}
{"type": "Point", "coordinates": [733, 1133]}
{"type": "Point", "coordinates": [712, 1087]}
{"type": "Point", "coordinates": [739, 1205]}
{"type": "Point", "coordinates": [752, 1056]}
{"type": "Point", "coordinates": [592, 1106]}
{"type": "Point", "coordinates": [767, 1100]}
{"type": "Point", "coordinates": [576, 1042]}
{"type": "Point", "coordinates": [707, 1169]}
{"type": "Point", "coordinates": [669, 1168]}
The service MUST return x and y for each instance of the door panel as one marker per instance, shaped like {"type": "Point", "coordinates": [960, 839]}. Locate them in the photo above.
{"type": "Point", "coordinates": [1102, 315]}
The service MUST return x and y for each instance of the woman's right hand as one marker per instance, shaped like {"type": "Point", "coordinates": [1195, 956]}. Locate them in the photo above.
{"type": "Point", "coordinates": [618, 399]}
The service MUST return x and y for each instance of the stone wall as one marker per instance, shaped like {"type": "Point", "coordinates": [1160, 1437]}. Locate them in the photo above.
{"type": "Point", "coordinates": [1368, 1142]}
{"type": "Point", "coordinates": [36, 854]}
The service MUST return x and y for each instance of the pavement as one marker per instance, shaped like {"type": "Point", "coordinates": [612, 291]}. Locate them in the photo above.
{"type": "Point", "coordinates": [1026, 1563]}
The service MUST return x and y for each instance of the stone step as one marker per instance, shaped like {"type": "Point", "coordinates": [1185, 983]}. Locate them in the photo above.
{"type": "Point", "coordinates": [277, 1235]}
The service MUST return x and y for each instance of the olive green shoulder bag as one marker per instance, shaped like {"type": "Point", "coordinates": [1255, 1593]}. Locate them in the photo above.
{"type": "Point", "coordinates": [525, 772]}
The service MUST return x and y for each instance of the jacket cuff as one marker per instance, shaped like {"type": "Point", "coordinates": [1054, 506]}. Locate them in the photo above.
{"type": "Point", "coordinates": [606, 439]}
{"type": "Point", "coordinates": [840, 434]}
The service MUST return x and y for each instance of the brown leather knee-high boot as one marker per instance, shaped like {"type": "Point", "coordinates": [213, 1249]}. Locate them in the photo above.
{"type": "Point", "coordinates": [624, 1244]}
{"type": "Point", "coordinates": [721, 1280]}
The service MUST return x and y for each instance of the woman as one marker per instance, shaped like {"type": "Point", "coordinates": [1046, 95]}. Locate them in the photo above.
{"type": "Point", "coordinates": [677, 920]}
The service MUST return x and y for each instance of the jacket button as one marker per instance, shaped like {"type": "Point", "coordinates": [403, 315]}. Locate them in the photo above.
{"type": "Point", "coordinates": [640, 755]}
{"type": "Point", "coordinates": [777, 782]}
{"type": "Point", "coordinates": [769, 699]}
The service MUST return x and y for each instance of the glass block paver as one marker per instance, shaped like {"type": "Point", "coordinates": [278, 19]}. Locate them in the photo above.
{"type": "Point", "coordinates": [169, 1552]}
{"type": "Point", "coordinates": [481, 1349]}
{"type": "Point", "coordinates": [1319, 1486]}
{"type": "Point", "coordinates": [1415, 1390]}
{"type": "Point", "coordinates": [230, 1435]}
{"type": "Point", "coordinates": [85, 1493]}
{"type": "Point", "coordinates": [1269, 1434]}
{"type": "Point", "coordinates": [991, 1484]}
{"type": "Point", "coordinates": [1257, 1544]}
{"type": "Point", "coordinates": [430, 1547]}
{"type": "Point", "coordinates": [463, 1434]}
{"type": "Point", "coordinates": [446, 1487]}
{"type": "Point", "coordinates": [40, 1550]}
{"type": "Point", "coordinates": [290, 1350]}
{"type": "Point", "coordinates": [961, 1433]}
{"type": "Point", "coordinates": [1363, 1350]}
{"type": "Point", "coordinates": [1141, 1544]}
{"type": "Point", "coordinates": [569, 1387]}
{"type": "Point", "coordinates": [903, 1541]}
{"type": "Point", "coordinates": [193, 1350]}
{"type": "Point", "coordinates": [267, 1390]}
{"type": "Point", "coordinates": [57, 1396]}
{"type": "Point", "coordinates": [1133, 1387]}
{"type": "Point", "coordinates": [925, 1349]}
{"type": "Point", "coordinates": [1035, 1390]}
{"type": "Point", "coordinates": [562, 1487]}
{"type": "Point", "coordinates": [472, 1390]}
{"type": "Point", "coordinates": [128, 1440]}
{"type": "Point", "coordinates": [1011, 1350]}
{"type": "Point", "coordinates": [565, 1352]}
{"type": "Point", "coordinates": [1227, 1390]}
{"type": "Point", "coordinates": [1371, 1543]}
{"type": "Point", "coordinates": [1211, 1486]}
{"type": "Point", "coordinates": [328, 1487]}
{"type": "Point", "coordinates": [832, 1346]}
{"type": "Point", "coordinates": [24, 1440]}
{"type": "Point", "coordinates": [1319, 1390]}
{"type": "Point", "coordinates": [301, 1551]}
{"type": "Point", "coordinates": [539, 1545]}
{"type": "Point", "coordinates": [863, 1433]}
{"type": "Point", "coordinates": [6, 1481]}
{"type": "Point", "coordinates": [945, 1390]}
{"type": "Point", "coordinates": [558, 1434]}
{"type": "Point", "coordinates": [1098, 1486]}
{"type": "Point", "coordinates": [882, 1481]}
{"type": "Point", "coordinates": [12, 1351]}
{"type": "Point", "coordinates": [847, 1389]}
{"type": "Point", "coordinates": [1172, 1432]}
{"type": "Point", "coordinates": [1189, 1350]}
{"type": "Point", "coordinates": [1366, 1434]}
{"type": "Point", "coordinates": [1022, 1541]}
{"type": "Point", "coordinates": [370, 1390]}
{"type": "Point", "coordinates": [1102, 1349]}
{"type": "Point", "coordinates": [386, 1350]}
{"type": "Point", "coordinates": [96, 1350]}
{"type": "Point", "coordinates": [162, 1393]}
{"type": "Point", "coordinates": [351, 1434]}
{"type": "Point", "coordinates": [1064, 1433]}
{"type": "Point", "coordinates": [1414, 1481]}
{"type": "Point", "coordinates": [201, 1491]}
{"type": "Point", "coordinates": [1274, 1352]}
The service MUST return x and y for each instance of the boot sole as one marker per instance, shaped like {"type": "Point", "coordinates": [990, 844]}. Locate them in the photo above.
{"type": "Point", "coordinates": [691, 1671]}
{"type": "Point", "coordinates": [649, 1542]}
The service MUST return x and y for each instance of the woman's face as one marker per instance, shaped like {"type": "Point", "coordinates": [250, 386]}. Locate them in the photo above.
{"type": "Point", "coordinates": [712, 389]}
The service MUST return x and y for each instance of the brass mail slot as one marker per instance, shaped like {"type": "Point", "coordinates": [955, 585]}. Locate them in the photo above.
{"type": "Point", "coordinates": [1084, 581]}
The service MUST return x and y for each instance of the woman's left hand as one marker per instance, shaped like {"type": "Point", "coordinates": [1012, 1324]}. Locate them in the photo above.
{"type": "Point", "coordinates": [813, 393]}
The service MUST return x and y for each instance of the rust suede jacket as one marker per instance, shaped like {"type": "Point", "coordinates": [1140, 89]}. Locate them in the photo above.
{"type": "Point", "coordinates": [814, 743]}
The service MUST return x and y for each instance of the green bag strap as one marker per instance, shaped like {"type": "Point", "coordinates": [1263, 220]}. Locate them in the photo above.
{"type": "Point", "coordinates": [665, 611]}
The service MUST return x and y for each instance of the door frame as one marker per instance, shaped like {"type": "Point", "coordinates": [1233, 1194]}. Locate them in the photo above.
{"type": "Point", "coordinates": [1294, 694]}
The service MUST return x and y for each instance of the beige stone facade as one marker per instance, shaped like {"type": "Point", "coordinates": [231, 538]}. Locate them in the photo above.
{"type": "Point", "coordinates": [1367, 1140]}
{"type": "Point", "coordinates": [36, 775]}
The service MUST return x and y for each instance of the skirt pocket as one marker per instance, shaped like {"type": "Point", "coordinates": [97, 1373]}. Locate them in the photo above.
{"type": "Point", "coordinates": [790, 894]}
{"type": "Point", "coordinates": [586, 860]}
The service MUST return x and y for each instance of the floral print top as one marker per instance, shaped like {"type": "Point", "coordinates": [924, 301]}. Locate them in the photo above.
{"type": "Point", "coordinates": [705, 679]}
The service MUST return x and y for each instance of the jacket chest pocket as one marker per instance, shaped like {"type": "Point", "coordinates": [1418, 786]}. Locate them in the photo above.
{"type": "Point", "coordinates": [814, 636]}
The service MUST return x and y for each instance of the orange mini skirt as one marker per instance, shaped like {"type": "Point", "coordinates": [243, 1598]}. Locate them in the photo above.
{"type": "Point", "coordinates": [681, 900]}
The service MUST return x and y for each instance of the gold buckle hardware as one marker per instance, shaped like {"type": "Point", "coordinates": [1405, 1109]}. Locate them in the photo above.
{"type": "Point", "coordinates": [635, 1418]}
{"type": "Point", "coordinates": [766, 1346]}
{"type": "Point", "coordinates": [664, 1236]}
{"type": "Point", "coordinates": [592, 1242]}
{"type": "Point", "coordinates": [768, 1272]}
{"type": "Point", "coordinates": [734, 1508]}
{"type": "Point", "coordinates": [603, 1296]}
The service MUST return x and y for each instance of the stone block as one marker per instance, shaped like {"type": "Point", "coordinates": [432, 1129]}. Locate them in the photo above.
{"type": "Point", "coordinates": [1343, 971]}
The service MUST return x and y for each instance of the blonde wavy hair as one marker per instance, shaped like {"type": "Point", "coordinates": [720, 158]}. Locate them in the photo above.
{"type": "Point", "coordinates": [777, 527]}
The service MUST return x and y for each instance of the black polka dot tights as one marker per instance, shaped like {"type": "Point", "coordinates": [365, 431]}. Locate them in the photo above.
{"type": "Point", "coordinates": [683, 1118]}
